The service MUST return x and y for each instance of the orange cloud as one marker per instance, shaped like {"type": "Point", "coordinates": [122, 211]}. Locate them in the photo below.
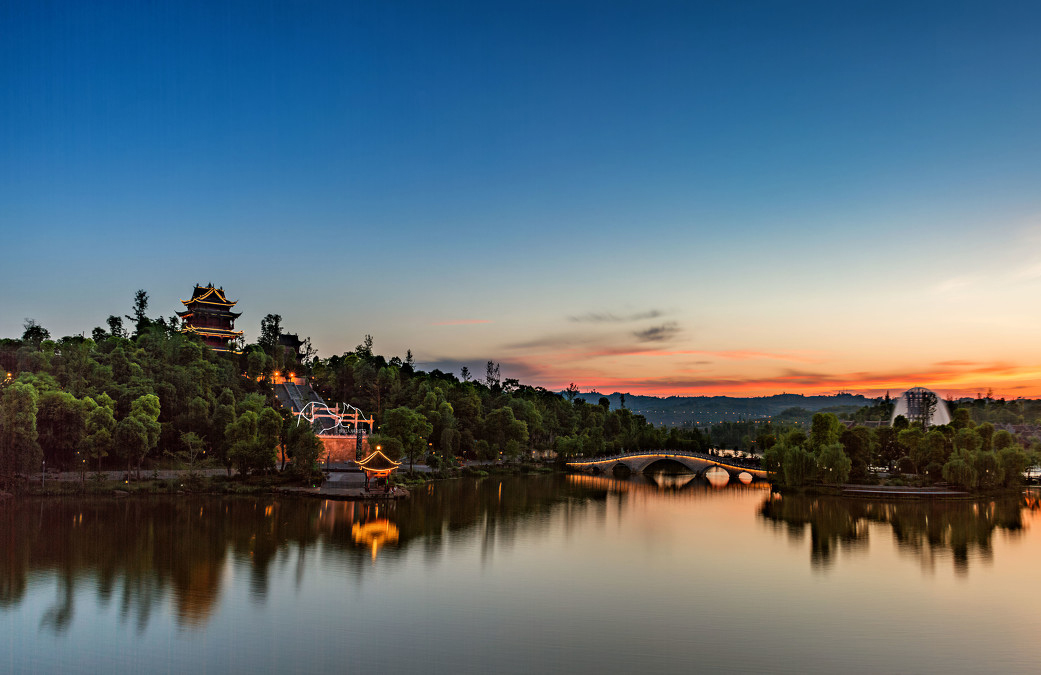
{"type": "Point", "coordinates": [946, 378]}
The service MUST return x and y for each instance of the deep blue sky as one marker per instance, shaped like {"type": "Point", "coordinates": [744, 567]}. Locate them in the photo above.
{"type": "Point", "coordinates": [624, 194]}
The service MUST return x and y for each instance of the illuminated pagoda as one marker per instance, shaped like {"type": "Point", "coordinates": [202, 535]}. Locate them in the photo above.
{"type": "Point", "coordinates": [208, 314]}
{"type": "Point", "coordinates": [378, 466]}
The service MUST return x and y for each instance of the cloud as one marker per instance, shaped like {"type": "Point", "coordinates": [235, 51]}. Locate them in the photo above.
{"type": "Point", "coordinates": [1029, 272]}
{"type": "Point", "coordinates": [662, 333]}
{"type": "Point", "coordinates": [565, 342]}
{"type": "Point", "coordinates": [954, 284]}
{"type": "Point", "coordinates": [749, 355]}
{"type": "Point", "coordinates": [525, 372]}
{"type": "Point", "coordinates": [608, 317]}
{"type": "Point", "coordinates": [461, 322]}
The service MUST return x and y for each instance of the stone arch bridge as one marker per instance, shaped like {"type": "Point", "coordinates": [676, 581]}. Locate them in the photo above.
{"type": "Point", "coordinates": [639, 462]}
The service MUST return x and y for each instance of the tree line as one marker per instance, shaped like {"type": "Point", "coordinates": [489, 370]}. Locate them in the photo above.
{"type": "Point", "coordinates": [964, 453]}
{"type": "Point", "coordinates": [129, 397]}
{"type": "Point", "coordinates": [122, 398]}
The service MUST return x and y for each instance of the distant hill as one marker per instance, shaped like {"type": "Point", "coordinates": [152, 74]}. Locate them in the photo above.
{"type": "Point", "coordinates": [709, 410]}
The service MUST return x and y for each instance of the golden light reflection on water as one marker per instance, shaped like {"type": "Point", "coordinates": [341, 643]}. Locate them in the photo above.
{"type": "Point", "coordinates": [375, 534]}
{"type": "Point", "coordinates": [667, 560]}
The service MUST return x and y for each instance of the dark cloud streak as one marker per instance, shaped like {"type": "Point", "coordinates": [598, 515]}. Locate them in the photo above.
{"type": "Point", "coordinates": [662, 333]}
{"type": "Point", "coordinates": [608, 317]}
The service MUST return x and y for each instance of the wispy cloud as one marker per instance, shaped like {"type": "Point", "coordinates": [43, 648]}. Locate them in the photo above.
{"type": "Point", "coordinates": [1032, 271]}
{"type": "Point", "coordinates": [609, 317]}
{"type": "Point", "coordinates": [662, 333]}
{"type": "Point", "coordinates": [460, 322]}
{"type": "Point", "coordinates": [954, 284]}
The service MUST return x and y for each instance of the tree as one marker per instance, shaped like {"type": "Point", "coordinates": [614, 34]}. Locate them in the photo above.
{"type": "Point", "coordinates": [910, 439]}
{"type": "Point", "coordinates": [146, 410]}
{"type": "Point", "coordinates": [989, 472]}
{"type": "Point", "coordinates": [491, 377]}
{"type": "Point", "coordinates": [857, 444]}
{"type": "Point", "coordinates": [115, 326]}
{"type": "Point", "coordinates": [967, 439]}
{"type": "Point", "coordinates": [34, 333]}
{"type": "Point", "coordinates": [193, 449]}
{"type": "Point", "coordinates": [19, 449]}
{"type": "Point", "coordinates": [61, 422]}
{"type": "Point", "coordinates": [251, 445]}
{"type": "Point", "coordinates": [131, 440]}
{"type": "Point", "coordinates": [959, 470]}
{"type": "Point", "coordinates": [824, 430]}
{"type": "Point", "coordinates": [270, 330]}
{"type": "Point", "coordinates": [304, 449]}
{"type": "Point", "coordinates": [571, 392]}
{"type": "Point", "coordinates": [834, 465]}
{"type": "Point", "coordinates": [410, 428]}
{"type": "Point", "coordinates": [364, 350]}
{"type": "Point", "coordinates": [464, 374]}
{"type": "Point", "coordinates": [501, 427]}
{"type": "Point", "coordinates": [962, 419]}
{"type": "Point", "coordinates": [140, 320]}
{"type": "Point", "coordinates": [799, 467]}
{"type": "Point", "coordinates": [100, 428]}
{"type": "Point", "coordinates": [1013, 461]}
{"type": "Point", "coordinates": [1002, 439]}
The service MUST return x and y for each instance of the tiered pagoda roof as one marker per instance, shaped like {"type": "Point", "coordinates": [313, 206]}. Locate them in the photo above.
{"type": "Point", "coordinates": [211, 300]}
{"type": "Point", "coordinates": [208, 314]}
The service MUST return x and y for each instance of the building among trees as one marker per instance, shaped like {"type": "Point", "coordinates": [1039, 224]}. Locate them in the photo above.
{"type": "Point", "coordinates": [208, 314]}
{"type": "Point", "coordinates": [919, 404]}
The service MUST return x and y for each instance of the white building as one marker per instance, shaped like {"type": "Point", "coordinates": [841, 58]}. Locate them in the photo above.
{"type": "Point", "coordinates": [912, 402]}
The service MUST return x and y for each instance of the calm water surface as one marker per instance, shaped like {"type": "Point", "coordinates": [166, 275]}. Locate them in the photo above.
{"type": "Point", "coordinates": [521, 575]}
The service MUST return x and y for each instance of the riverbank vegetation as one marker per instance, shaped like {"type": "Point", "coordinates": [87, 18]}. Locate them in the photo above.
{"type": "Point", "coordinates": [135, 397]}
{"type": "Point", "coordinates": [964, 454]}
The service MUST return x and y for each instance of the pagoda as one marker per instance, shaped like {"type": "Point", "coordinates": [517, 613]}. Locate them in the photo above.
{"type": "Point", "coordinates": [208, 314]}
{"type": "Point", "coordinates": [378, 466]}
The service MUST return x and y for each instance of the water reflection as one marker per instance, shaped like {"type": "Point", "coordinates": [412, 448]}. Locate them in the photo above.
{"type": "Point", "coordinates": [142, 552]}
{"type": "Point", "coordinates": [183, 552]}
{"type": "Point", "coordinates": [927, 530]}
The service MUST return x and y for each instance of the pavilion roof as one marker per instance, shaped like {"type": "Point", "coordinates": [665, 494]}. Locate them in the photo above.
{"type": "Point", "coordinates": [377, 461]}
{"type": "Point", "coordinates": [210, 295]}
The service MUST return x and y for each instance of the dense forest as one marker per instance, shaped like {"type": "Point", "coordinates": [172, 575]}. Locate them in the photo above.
{"type": "Point", "coordinates": [139, 391]}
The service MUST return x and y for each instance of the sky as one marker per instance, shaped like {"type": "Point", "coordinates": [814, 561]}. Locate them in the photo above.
{"type": "Point", "coordinates": [662, 198]}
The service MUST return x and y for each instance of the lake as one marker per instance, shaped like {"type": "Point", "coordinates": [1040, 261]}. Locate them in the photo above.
{"type": "Point", "coordinates": [562, 574]}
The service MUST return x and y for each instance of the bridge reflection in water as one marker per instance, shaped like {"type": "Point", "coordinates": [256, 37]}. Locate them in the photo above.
{"type": "Point", "coordinates": [717, 470]}
{"type": "Point", "coordinates": [677, 485]}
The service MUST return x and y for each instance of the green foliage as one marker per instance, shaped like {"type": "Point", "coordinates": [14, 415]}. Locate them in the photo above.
{"type": "Point", "coordinates": [834, 465]}
{"type": "Point", "coordinates": [825, 430]}
{"type": "Point", "coordinates": [989, 472]}
{"type": "Point", "coordinates": [252, 440]}
{"type": "Point", "coordinates": [304, 449]}
{"type": "Point", "coordinates": [960, 470]}
{"type": "Point", "coordinates": [1013, 461]}
{"type": "Point", "coordinates": [799, 467]}
{"type": "Point", "coordinates": [411, 429]}
{"type": "Point", "coordinates": [19, 449]}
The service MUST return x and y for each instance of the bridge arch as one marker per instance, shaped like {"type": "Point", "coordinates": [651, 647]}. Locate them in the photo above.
{"type": "Point", "coordinates": [696, 463]}
{"type": "Point", "coordinates": [669, 465]}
